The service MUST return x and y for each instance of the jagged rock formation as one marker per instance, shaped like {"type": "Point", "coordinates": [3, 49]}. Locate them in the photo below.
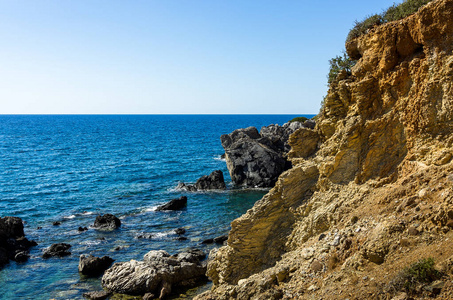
{"type": "Point", "coordinates": [256, 159]}
{"type": "Point", "coordinates": [378, 193]}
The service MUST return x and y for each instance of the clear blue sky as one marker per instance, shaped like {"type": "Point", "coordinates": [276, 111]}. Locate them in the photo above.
{"type": "Point", "coordinates": [168, 56]}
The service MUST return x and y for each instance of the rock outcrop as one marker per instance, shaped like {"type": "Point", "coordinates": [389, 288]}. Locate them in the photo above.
{"type": "Point", "coordinates": [57, 250]}
{"type": "Point", "coordinates": [376, 196]}
{"type": "Point", "coordinates": [175, 204]}
{"type": "Point", "coordinates": [157, 274]}
{"type": "Point", "coordinates": [13, 244]}
{"type": "Point", "coordinates": [213, 181]}
{"type": "Point", "coordinates": [107, 222]}
{"type": "Point", "coordinates": [256, 159]}
{"type": "Point", "coordinates": [90, 265]}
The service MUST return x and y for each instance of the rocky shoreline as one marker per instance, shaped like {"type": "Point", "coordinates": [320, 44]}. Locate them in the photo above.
{"type": "Point", "coordinates": [159, 271]}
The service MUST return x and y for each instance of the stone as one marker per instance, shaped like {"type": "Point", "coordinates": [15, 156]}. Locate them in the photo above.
{"type": "Point", "coordinates": [257, 159]}
{"type": "Point", "coordinates": [220, 239]}
{"type": "Point", "coordinates": [97, 295]}
{"type": "Point", "coordinates": [180, 231]}
{"type": "Point", "coordinates": [175, 204]}
{"type": "Point", "coordinates": [13, 243]}
{"type": "Point", "coordinates": [58, 250]}
{"type": "Point", "coordinates": [21, 256]}
{"type": "Point", "coordinates": [94, 266]}
{"type": "Point", "coordinates": [157, 274]}
{"type": "Point", "coordinates": [186, 187]}
{"type": "Point", "coordinates": [435, 287]}
{"type": "Point", "coordinates": [213, 181]}
{"type": "Point", "coordinates": [81, 229]}
{"type": "Point", "coordinates": [107, 222]}
{"type": "Point", "coordinates": [316, 266]}
{"type": "Point", "coordinates": [56, 223]}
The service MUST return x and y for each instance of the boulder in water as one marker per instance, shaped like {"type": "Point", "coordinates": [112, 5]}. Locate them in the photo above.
{"type": "Point", "coordinates": [213, 181]}
{"type": "Point", "coordinates": [90, 265]}
{"type": "Point", "coordinates": [58, 250]}
{"type": "Point", "coordinates": [107, 222]}
{"type": "Point", "coordinates": [175, 204]}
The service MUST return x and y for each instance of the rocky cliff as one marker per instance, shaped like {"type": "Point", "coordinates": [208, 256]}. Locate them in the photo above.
{"type": "Point", "coordinates": [376, 197]}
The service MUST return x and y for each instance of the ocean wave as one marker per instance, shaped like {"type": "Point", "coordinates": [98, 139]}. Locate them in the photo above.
{"type": "Point", "coordinates": [219, 158]}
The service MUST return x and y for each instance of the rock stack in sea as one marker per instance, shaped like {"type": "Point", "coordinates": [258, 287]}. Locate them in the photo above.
{"type": "Point", "coordinates": [256, 159]}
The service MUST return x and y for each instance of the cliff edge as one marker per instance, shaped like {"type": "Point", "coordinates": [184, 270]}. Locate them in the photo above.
{"type": "Point", "coordinates": [378, 194]}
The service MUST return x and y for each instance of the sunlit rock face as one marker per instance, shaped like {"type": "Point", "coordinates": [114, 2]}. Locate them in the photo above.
{"type": "Point", "coordinates": [382, 157]}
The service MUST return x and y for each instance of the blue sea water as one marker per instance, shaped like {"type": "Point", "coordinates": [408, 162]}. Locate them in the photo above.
{"type": "Point", "coordinates": [70, 168]}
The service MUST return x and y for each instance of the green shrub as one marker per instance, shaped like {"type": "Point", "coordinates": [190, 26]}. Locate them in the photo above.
{"type": "Point", "coordinates": [363, 26]}
{"type": "Point", "coordinates": [299, 119]}
{"type": "Point", "coordinates": [398, 12]}
{"type": "Point", "coordinates": [337, 64]}
{"type": "Point", "coordinates": [422, 271]}
{"type": "Point", "coordinates": [393, 13]}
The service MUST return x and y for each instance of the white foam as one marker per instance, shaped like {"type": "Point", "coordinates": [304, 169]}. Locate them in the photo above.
{"type": "Point", "coordinates": [70, 217]}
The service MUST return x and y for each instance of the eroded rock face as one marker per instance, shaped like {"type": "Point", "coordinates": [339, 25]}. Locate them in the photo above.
{"type": "Point", "coordinates": [375, 189]}
{"type": "Point", "coordinates": [257, 159]}
{"type": "Point", "coordinates": [157, 274]}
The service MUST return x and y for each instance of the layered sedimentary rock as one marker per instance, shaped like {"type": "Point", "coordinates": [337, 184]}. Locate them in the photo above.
{"type": "Point", "coordinates": [377, 195]}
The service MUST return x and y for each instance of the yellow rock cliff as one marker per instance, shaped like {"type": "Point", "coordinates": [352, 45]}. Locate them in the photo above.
{"type": "Point", "coordinates": [376, 196]}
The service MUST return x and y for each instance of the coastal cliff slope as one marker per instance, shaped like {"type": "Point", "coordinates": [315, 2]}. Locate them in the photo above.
{"type": "Point", "coordinates": [376, 196]}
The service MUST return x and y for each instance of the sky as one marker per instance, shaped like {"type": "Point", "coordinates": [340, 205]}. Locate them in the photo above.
{"type": "Point", "coordinates": [171, 57]}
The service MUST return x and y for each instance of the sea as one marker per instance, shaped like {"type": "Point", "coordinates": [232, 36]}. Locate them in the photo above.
{"type": "Point", "coordinates": [71, 168]}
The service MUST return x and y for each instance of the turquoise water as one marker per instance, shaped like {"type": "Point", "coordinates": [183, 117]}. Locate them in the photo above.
{"type": "Point", "coordinates": [72, 168]}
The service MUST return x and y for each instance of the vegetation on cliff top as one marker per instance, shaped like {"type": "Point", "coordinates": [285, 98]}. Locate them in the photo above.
{"type": "Point", "coordinates": [393, 13]}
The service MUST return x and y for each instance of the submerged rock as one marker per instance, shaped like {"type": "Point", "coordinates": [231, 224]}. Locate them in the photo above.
{"type": "Point", "coordinates": [107, 222]}
{"type": "Point", "coordinates": [175, 204]}
{"type": "Point", "coordinates": [157, 274]}
{"type": "Point", "coordinates": [94, 266]}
